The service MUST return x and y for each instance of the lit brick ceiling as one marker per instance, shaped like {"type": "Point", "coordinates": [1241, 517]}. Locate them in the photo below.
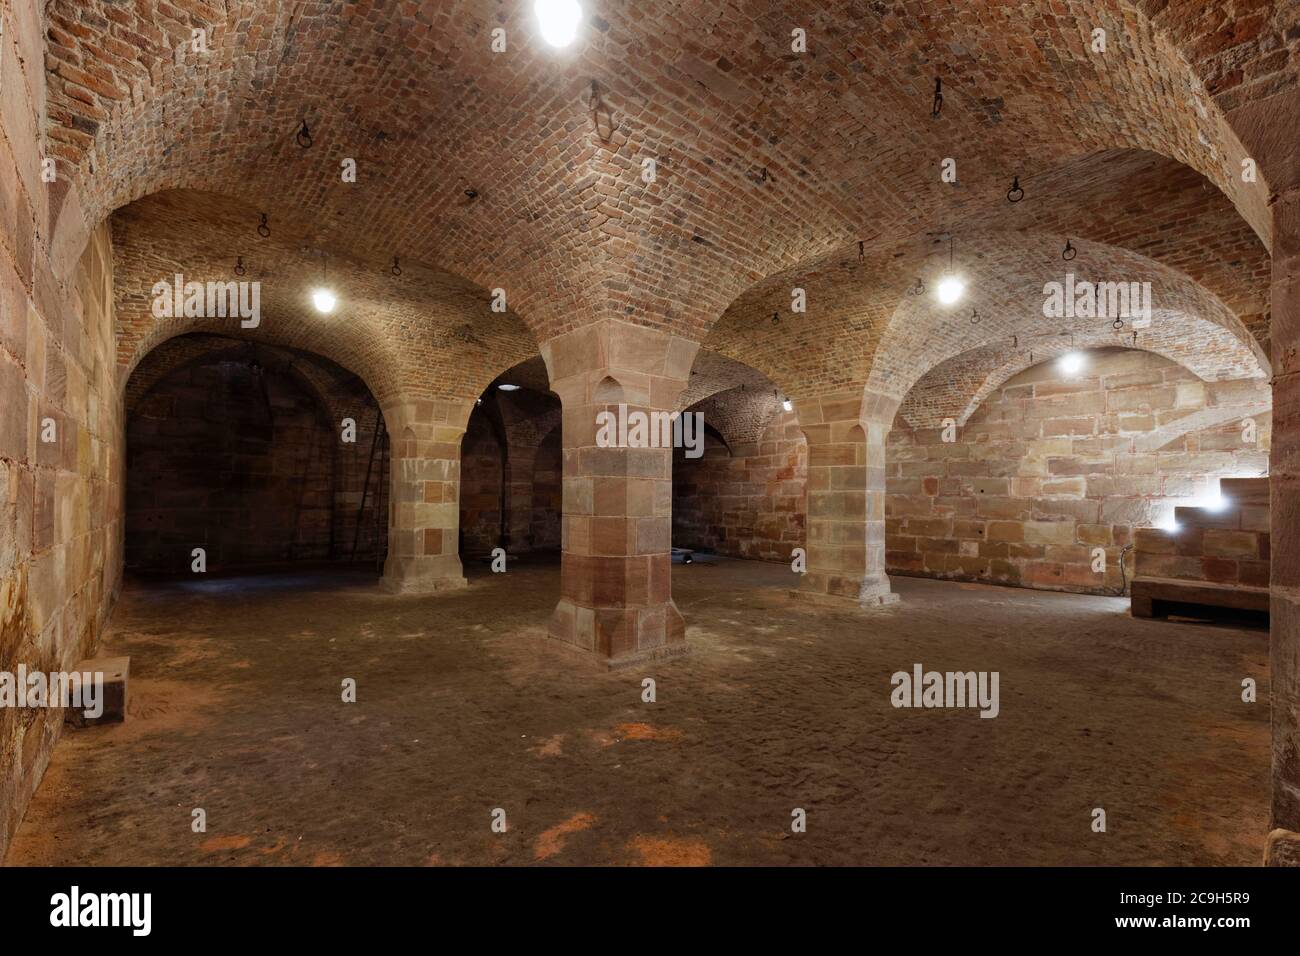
{"type": "Point", "coordinates": [771, 167]}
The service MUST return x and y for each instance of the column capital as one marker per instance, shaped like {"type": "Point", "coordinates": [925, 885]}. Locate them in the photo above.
{"type": "Point", "coordinates": [646, 366]}
{"type": "Point", "coordinates": [427, 417]}
{"type": "Point", "coordinates": [854, 404]}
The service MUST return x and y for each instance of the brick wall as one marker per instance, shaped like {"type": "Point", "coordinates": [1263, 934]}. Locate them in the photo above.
{"type": "Point", "coordinates": [748, 502]}
{"type": "Point", "coordinates": [60, 501]}
{"type": "Point", "coordinates": [1050, 467]}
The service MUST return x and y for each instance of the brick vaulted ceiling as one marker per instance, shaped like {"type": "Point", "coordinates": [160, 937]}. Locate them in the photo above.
{"type": "Point", "coordinates": [772, 166]}
{"type": "Point", "coordinates": [419, 332]}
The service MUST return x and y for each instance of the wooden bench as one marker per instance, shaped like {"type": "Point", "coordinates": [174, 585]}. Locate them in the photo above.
{"type": "Point", "coordinates": [1149, 593]}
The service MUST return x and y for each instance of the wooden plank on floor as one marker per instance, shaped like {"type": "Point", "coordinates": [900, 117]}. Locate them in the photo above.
{"type": "Point", "coordinates": [1146, 591]}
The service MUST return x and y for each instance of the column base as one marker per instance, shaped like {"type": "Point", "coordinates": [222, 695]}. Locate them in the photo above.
{"type": "Point", "coordinates": [1282, 848]}
{"type": "Point", "coordinates": [830, 591]}
{"type": "Point", "coordinates": [620, 636]}
{"type": "Point", "coordinates": [845, 603]}
{"type": "Point", "coordinates": [421, 576]}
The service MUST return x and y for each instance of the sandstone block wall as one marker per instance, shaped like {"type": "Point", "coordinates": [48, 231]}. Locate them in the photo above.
{"type": "Point", "coordinates": [1230, 545]}
{"type": "Point", "coordinates": [60, 501]}
{"type": "Point", "coordinates": [1049, 468]}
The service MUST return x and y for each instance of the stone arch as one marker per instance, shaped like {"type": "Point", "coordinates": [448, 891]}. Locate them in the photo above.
{"type": "Point", "coordinates": [957, 386]}
{"type": "Point", "coordinates": [145, 104]}
{"type": "Point", "coordinates": [149, 373]}
{"type": "Point", "coordinates": [423, 333]}
{"type": "Point", "coordinates": [228, 438]}
{"type": "Point", "coordinates": [1006, 286]}
{"type": "Point", "coordinates": [1193, 240]}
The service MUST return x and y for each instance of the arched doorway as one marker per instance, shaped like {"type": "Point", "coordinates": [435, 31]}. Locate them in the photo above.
{"type": "Point", "coordinates": [260, 456]}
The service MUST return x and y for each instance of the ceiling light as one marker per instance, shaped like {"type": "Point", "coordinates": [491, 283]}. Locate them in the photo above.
{"type": "Point", "coordinates": [324, 300]}
{"type": "Point", "coordinates": [508, 388]}
{"type": "Point", "coordinates": [323, 297]}
{"type": "Point", "coordinates": [788, 405]}
{"type": "Point", "coordinates": [1071, 363]}
{"type": "Point", "coordinates": [950, 289]}
{"type": "Point", "coordinates": [558, 20]}
{"type": "Point", "coordinates": [950, 286]}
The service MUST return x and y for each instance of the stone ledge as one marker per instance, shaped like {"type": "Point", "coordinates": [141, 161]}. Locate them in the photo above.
{"type": "Point", "coordinates": [1282, 848]}
{"type": "Point", "coordinates": [117, 674]}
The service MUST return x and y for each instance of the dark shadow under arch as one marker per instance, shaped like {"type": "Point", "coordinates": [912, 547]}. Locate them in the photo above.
{"type": "Point", "coordinates": [261, 456]}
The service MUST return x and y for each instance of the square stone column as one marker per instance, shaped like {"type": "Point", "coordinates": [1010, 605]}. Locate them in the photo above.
{"type": "Point", "coordinates": [424, 509]}
{"type": "Point", "coordinates": [846, 498]}
{"type": "Point", "coordinates": [1284, 485]}
{"type": "Point", "coordinates": [1266, 127]}
{"type": "Point", "coordinates": [616, 578]}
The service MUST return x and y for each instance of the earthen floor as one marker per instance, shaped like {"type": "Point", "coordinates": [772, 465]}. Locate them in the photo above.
{"type": "Point", "coordinates": [464, 707]}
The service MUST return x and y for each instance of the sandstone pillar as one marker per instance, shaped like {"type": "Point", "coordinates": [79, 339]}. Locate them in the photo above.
{"type": "Point", "coordinates": [424, 510]}
{"type": "Point", "coordinates": [846, 498]}
{"type": "Point", "coordinates": [616, 586]}
{"type": "Point", "coordinates": [1284, 484]}
{"type": "Point", "coordinates": [1266, 127]}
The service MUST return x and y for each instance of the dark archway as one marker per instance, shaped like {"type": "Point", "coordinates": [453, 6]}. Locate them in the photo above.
{"type": "Point", "coordinates": [547, 516]}
{"type": "Point", "coordinates": [261, 456]}
{"type": "Point", "coordinates": [483, 458]}
{"type": "Point", "coordinates": [511, 471]}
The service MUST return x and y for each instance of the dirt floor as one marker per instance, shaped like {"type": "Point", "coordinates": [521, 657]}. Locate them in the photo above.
{"type": "Point", "coordinates": [464, 707]}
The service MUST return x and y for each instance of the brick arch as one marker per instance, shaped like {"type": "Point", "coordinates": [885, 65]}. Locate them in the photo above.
{"type": "Point", "coordinates": [1007, 275]}
{"type": "Point", "coordinates": [713, 372]}
{"type": "Point", "coordinates": [183, 351]}
{"type": "Point", "coordinates": [1188, 229]}
{"type": "Point", "coordinates": [956, 387]}
{"type": "Point", "coordinates": [293, 396]}
{"type": "Point", "coordinates": [424, 333]}
{"type": "Point", "coordinates": [739, 415]}
{"type": "Point", "coordinates": [738, 125]}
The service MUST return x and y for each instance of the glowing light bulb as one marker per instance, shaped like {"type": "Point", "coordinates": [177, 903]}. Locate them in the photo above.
{"type": "Point", "coordinates": [1071, 363]}
{"type": "Point", "coordinates": [324, 300]}
{"type": "Point", "coordinates": [558, 20]}
{"type": "Point", "coordinates": [788, 405]}
{"type": "Point", "coordinates": [950, 289]}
